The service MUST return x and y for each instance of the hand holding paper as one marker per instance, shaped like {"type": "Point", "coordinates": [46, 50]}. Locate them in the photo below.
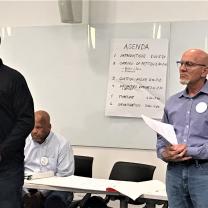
{"type": "Point", "coordinates": [165, 130]}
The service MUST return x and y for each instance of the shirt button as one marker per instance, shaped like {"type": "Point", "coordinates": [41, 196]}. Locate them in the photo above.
{"type": "Point", "coordinates": [184, 140]}
{"type": "Point", "coordinates": [188, 112]}
{"type": "Point", "coordinates": [187, 126]}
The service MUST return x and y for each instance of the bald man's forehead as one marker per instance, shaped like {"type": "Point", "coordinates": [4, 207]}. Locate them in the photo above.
{"type": "Point", "coordinates": [42, 114]}
{"type": "Point", "coordinates": [196, 52]}
{"type": "Point", "coordinates": [195, 55]}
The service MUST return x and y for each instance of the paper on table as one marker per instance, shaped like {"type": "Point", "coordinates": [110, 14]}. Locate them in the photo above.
{"type": "Point", "coordinates": [165, 130]}
{"type": "Point", "coordinates": [130, 189]}
{"type": "Point", "coordinates": [38, 175]}
{"type": "Point", "coordinates": [135, 189]}
{"type": "Point", "coordinates": [72, 181]}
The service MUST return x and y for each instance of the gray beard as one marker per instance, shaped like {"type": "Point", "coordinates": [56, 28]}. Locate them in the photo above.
{"type": "Point", "coordinates": [184, 81]}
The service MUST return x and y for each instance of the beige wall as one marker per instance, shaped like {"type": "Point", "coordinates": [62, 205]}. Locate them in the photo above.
{"type": "Point", "coordinates": [37, 12]}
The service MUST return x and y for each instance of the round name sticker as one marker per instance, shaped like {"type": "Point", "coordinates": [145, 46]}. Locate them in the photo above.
{"type": "Point", "coordinates": [44, 161]}
{"type": "Point", "coordinates": [201, 107]}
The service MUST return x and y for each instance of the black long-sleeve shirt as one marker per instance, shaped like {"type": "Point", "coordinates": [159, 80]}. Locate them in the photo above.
{"type": "Point", "coordinates": [16, 118]}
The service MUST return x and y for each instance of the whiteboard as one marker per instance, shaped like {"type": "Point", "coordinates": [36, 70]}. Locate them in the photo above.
{"type": "Point", "coordinates": [184, 35]}
{"type": "Point", "coordinates": [68, 78]}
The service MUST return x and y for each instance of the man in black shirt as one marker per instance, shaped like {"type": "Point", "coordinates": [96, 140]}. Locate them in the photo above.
{"type": "Point", "coordinates": [16, 123]}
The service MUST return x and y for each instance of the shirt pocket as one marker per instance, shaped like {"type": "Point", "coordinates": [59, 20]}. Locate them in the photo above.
{"type": "Point", "coordinates": [52, 164]}
{"type": "Point", "coordinates": [199, 124]}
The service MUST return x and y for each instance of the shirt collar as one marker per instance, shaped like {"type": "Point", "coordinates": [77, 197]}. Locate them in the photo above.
{"type": "Point", "coordinates": [48, 138]}
{"type": "Point", "coordinates": [204, 89]}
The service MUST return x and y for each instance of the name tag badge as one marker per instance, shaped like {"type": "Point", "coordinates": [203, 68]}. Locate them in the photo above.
{"type": "Point", "coordinates": [44, 161]}
{"type": "Point", "coordinates": [201, 107]}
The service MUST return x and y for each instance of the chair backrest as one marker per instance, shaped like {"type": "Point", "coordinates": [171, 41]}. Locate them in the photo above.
{"type": "Point", "coordinates": [128, 171]}
{"type": "Point", "coordinates": [135, 172]}
{"type": "Point", "coordinates": [83, 165]}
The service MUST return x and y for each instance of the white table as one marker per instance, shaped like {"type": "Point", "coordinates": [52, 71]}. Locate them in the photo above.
{"type": "Point", "coordinates": [78, 184]}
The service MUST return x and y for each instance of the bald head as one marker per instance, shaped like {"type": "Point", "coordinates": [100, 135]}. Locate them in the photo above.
{"type": "Point", "coordinates": [193, 69]}
{"type": "Point", "coordinates": [42, 126]}
{"type": "Point", "coordinates": [198, 55]}
{"type": "Point", "coordinates": [43, 116]}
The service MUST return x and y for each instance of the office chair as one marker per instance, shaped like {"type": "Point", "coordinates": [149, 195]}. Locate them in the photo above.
{"type": "Point", "coordinates": [135, 172]}
{"type": "Point", "coordinates": [83, 167]}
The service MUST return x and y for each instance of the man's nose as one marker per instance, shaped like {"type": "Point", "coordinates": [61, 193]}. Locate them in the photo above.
{"type": "Point", "coordinates": [183, 67]}
{"type": "Point", "coordinates": [34, 131]}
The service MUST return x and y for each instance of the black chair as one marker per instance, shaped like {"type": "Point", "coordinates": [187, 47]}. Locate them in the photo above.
{"type": "Point", "coordinates": [135, 172]}
{"type": "Point", "coordinates": [129, 171]}
{"type": "Point", "coordinates": [83, 167]}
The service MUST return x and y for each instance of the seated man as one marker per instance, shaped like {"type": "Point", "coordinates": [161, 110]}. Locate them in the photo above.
{"type": "Point", "coordinates": [47, 151]}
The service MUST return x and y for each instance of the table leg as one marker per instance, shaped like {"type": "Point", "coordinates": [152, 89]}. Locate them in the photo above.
{"type": "Point", "coordinates": [123, 203]}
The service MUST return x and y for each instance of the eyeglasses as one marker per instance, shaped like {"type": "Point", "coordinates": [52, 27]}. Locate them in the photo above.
{"type": "Point", "coordinates": [188, 64]}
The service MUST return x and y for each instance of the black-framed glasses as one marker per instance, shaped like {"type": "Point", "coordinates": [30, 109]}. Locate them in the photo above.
{"type": "Point", "coordinates": [188, 64]}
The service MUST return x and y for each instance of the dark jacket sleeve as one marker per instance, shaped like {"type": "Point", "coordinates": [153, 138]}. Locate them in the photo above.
{"type": "Point", "coordinates": [23, 111]}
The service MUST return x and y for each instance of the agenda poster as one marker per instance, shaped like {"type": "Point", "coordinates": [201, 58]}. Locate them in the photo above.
{"type": "Point", "coordinates": [137, 77]}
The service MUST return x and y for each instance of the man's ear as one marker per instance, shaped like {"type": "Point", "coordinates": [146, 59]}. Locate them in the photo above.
{"type": "Point", "coordinates": [204, 72]}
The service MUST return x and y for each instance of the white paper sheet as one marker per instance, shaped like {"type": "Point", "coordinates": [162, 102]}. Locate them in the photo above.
{"type": "Point", "coordinates": [135, 189]}
{"type": "Point", "coordinates": [165, 130]}
{"type": "Point", "coordinates": [39, 175]}
{"type": "Point", "coordinates": [130, 189]}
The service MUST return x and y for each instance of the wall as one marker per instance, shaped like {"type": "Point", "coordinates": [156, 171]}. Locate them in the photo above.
{"type": "Point", "coordinates": [38, 12]}
{"type": "Point", "coordinates": [120, 11]}
{"type": "Point", "coordinates": [104, 158]}
{"type": "Point", "coordinates": [22, 13]}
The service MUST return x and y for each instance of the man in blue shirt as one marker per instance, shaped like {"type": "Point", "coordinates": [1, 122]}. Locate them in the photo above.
{"type": "Point", "coordinates": [47, 151]}
{"type": "Point", "coordinates": [187, 170]}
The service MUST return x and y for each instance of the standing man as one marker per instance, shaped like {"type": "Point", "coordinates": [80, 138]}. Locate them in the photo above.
{"type": "Point", "coordinates": [47, 151]}
{"type": "Point", "coordinates": [187, 170]}
{"type": "Point", "coordinates": [16, 122]}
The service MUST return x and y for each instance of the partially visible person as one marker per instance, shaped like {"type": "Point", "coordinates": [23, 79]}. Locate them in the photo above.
{"type": "Point", "coordinates": [16, 122]}
{"type": "Point", "coordinates": [47, 151]}
{"type": "Point", "coordinates": [187, 111]}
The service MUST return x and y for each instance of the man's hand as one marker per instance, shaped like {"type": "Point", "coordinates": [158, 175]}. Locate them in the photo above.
{"type": "Point", "coordinates": [175, 153]}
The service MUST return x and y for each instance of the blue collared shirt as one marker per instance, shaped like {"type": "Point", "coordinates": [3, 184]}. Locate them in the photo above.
{"type": "Point", "coordinates": [191, 126]}
{"type": "Point", "coordinates": [56, 152]}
